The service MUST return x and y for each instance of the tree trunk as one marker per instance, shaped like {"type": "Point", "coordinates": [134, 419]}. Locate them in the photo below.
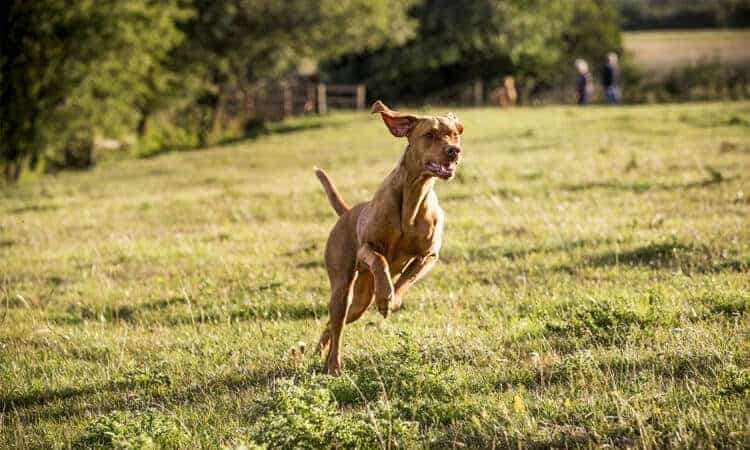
{"type": "Point", "coordinates": [12, 171]}
{"type": "Point", "coordinates": [217, 114]}
{"type": "Point", "coordinates": [142, 127]}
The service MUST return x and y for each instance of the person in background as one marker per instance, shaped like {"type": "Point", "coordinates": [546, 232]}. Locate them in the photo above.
{"type": "Point", "coordinates": [584, 84]}
{"type": "Point", "coordinates": [611, 79]}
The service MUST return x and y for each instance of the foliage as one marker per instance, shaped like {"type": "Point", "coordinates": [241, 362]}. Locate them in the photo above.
{"type": "Point", "coordinates": [694, 82]}
{"type": "Point", "coordinates": [735, 381]}
{"type": "Point", "coordinates": [307, 417]}
{"type": "Point", "coordinates": [72, 69]}
{"type": "Point", "coordinates": [148, 429]}
{"type": "Point", "coordinates": [660, 14]}
{"type": "Point", "coordinates": [599, 321]}
{"type": "Point", "coordinates": [458, 42]}
{"type": "Point", "coordinates": [592, 32]}
{"type": "Point", "coordinates": [229, 45]}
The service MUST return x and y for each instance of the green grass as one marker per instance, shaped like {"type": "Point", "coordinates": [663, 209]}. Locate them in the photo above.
{"type": "Point", "coordinates": [666, 50]}
{"type": "Point", "coordinates": [593, 289]}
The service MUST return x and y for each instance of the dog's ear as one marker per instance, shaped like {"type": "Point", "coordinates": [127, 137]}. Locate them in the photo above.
{"type": "Point", "coordinates": [456, 121]}
{"type": "Point", "coordinates": [398, 124]}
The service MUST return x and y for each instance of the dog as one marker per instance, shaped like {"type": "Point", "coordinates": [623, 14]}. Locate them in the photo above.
{"type": "Point", "coordinates": [378, 249]}
{"type": "Point", "coordinates": [507, 95]}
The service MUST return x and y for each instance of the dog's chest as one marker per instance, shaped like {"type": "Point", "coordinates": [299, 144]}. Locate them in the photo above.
{"type": "Point", "coordinates": [423, 236]}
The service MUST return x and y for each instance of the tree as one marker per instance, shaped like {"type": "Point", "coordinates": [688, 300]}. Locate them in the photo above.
{"type": "Point", "coordinates": [458, 42]}
{"type": "Point", "coordinates": [70, 68]}
{"type": "Point", "coordinates": [231, 44]}
{"type": "Point", "coordinates": [592, 32]}
{"type": "Point", "coordinates": [660, 14]}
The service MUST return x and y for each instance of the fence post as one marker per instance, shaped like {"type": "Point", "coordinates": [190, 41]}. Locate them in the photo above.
{"type": "Point", "coordinates": [250, 112]}
{"type": "Point", "coordinates": [361, 90]}
{"type": "Point", "coordinates": [310, 101]}
{"type": "Point", "coordinates": [287, 101]}
{"type": "Point", "coordinates": [478, 93]}
{"type": "Point", "coordinates": [322, 102]}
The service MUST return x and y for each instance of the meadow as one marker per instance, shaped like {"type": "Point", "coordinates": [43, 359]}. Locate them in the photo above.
{"type": "Point", "coordinates": [662, 51]}
{"type": "Point", "coordinates": [592, 291]}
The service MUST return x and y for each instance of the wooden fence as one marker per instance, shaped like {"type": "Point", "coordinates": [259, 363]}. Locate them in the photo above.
{"type": "Point", "coordinates": [275, 100]}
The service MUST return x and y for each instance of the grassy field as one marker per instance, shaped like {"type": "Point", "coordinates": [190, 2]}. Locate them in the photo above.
{"type": "Point", "coordinates": [593, 291]}
{"type": "Point", "coordinates": [665, 50]}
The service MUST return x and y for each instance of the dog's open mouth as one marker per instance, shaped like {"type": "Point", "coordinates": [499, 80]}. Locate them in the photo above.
{"type": "Point", "coordinates": [445, 171]}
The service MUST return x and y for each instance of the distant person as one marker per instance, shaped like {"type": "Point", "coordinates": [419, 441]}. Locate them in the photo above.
{"type": "Point", "coordinates": [611, 79]}
{"type": "Point", "coordinates": [584, 83]}
{"type": "Point", "coordinates": [507, 95]}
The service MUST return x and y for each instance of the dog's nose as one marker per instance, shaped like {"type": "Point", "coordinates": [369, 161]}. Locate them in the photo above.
{"type": "Point", "coordinates": [453, 152]}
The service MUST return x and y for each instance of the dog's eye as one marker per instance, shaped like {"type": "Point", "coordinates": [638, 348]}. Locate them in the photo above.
{"type": "Point", "coordinates": [430, 135]}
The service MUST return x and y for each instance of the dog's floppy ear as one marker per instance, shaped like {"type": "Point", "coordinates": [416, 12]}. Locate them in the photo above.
{"type": "Point", "coordinates": [398, 124]}
{"type": "Point", "coordinates": [456, 121]}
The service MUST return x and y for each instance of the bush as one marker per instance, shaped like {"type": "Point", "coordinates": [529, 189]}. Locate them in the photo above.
{"type": "Point", "coordinates": [405, 373]}
{"type": "Point", "coordinates": [400, 390]}
{"type": "Point", "coordinates": [707, 80]}
{"type": "Point", "coordinates": [133, 430]}
{"type": "Point", "coordinates": [77, 152]}
{"type": "Point", "coordinates": [306, 416]}
{"type": "Point", "coordinates": [735, 381]}
{"type": "Point", "coordinates": [598, 321]}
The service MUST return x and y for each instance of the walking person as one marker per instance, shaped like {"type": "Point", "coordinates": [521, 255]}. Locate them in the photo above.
{"type": "Point", "coordinates": [584, 83]}
{"type": "Point", "coordinates": [611, 79]}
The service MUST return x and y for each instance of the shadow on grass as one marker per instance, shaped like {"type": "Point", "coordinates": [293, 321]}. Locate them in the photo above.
{"type": "Point", "coordinates": [653, 255]}
{"type": "Point", "coordinates": [154, 314]}
{"type": "Point", "coordinates": [253, 130]}
{"type": "Point", "coordinates": [643, 186]}
{"type": "Point", "coordinates": [33, 208]}
{"type": "Point", "coordinates": [495, 252]}
{"type": "Point", "coordinates": [57, 404]}
{"type": "Point", "coordinates": [278, 312]}
{"type": "Point", "coordinates": [615, 370]}
{"type": "Point", "coordinates": [665, 255]}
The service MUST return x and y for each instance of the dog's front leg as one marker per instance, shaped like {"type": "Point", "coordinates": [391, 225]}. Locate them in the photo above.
{"type": "Point", "coordinates": [415, 270]}
{"type": "Point", "coordinates": [378, 265]}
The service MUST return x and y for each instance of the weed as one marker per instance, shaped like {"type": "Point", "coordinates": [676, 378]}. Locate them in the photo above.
{"type": "Point", "coordinates": [133, 430]}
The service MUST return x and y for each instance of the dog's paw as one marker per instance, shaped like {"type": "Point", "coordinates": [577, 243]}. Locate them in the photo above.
{"type": "Point", "coordinates": [333, 368]}
{"type": "Point", "coordinates": [384, 304]}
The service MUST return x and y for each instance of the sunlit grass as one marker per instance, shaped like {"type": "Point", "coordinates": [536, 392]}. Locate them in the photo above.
{"type": "Point", "coordinates": [593, 289]}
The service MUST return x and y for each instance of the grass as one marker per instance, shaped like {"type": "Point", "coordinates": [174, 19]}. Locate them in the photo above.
{"type": "Point", "coordinates": [593, 290]}
{"type": "Point", "coordinates": [665, 50]}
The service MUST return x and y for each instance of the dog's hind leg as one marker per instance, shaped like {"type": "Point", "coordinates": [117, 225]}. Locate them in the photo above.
{"type": "Point", "coordinates": [361, 298]}
{"type": "Point", "coordinates": [341, 293]}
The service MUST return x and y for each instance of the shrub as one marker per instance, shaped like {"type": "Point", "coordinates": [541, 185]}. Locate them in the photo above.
{"type": "Point", "coordinates": [735, 381]}
{"type": "Point", "coordinates": [306, 416]}
{"type": "Point", "coordinates": [706, 80]}
{"type": "Point", "coordinates": [133, 430]}
{"type": "Point", "coordinates": [598, 321]}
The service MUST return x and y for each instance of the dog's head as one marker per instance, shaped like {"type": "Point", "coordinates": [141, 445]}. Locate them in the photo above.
{"type": "Point", "coordinates": [435, 141]}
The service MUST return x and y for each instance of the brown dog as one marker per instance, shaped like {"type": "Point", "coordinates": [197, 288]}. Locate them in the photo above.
{"type": "Point", "coordinates": [397, 235]}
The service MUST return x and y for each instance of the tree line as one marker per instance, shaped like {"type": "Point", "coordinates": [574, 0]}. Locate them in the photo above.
{"type": "Point", "coordinates": [661, 14]}
{"type": "Point", "coordinates": [72, 70]}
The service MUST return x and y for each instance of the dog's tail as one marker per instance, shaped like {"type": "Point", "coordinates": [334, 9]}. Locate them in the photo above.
{"type": "Point", "coordinates": [333, 195]}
